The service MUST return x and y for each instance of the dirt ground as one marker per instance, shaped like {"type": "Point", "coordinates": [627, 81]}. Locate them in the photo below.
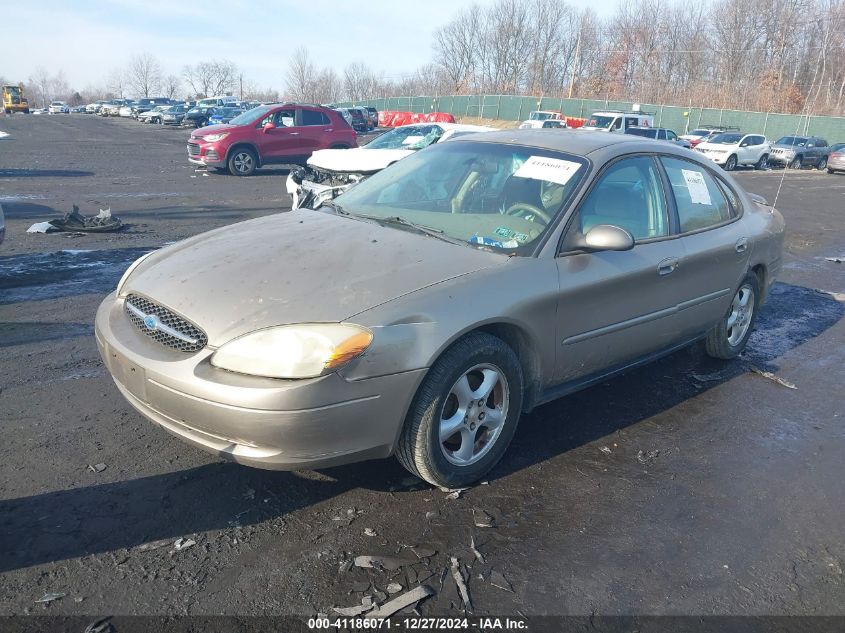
{"type": "Point", "coordinates": [688, 487]}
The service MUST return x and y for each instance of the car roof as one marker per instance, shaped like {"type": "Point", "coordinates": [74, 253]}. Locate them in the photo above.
{"type": "Point", "coordinates": [460, 127]}
{"type": "Point", "coordinates": [573, 141]}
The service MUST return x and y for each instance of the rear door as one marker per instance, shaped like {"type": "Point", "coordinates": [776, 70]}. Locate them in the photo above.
{"type": "Point", "coordinates": [715, 244]}
{"type": "Point", "coordinates": [617, 306]}
{"type": "Point", "coordinates": [314, 128]}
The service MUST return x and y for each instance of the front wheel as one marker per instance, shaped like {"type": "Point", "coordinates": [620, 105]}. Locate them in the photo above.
{"type": "Point", "coordinates": [822, 164]}
{"type": "Point", "coordinates": [729, 336]}
{"type": "Point", "coordinates": [242, 162]}
{"type": "Point", "coordinates": [730, 164]}
{"type": "Point", "coordinates": [464, 414]}
{"type": "Point", "coordinates": [796, 163]}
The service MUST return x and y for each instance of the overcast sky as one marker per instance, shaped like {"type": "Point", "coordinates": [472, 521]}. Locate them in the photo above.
{"type": "Point", "coordinates": [86, 39]}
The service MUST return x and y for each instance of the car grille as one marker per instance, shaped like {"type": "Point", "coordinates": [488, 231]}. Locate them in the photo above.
{"type": "Point", "coordinates": [193, 149]}
{"type": "Point", "coordinates": [172, 331]}
{"type": "Point", "coordinates": [211, 155]}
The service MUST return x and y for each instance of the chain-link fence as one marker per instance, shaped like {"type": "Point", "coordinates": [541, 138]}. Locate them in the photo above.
{"type": "Point", "coordinates": [677, 118]}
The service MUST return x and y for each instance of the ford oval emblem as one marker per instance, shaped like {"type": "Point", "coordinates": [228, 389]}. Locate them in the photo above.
{"type": "Point", "coordinates": [151, 322]}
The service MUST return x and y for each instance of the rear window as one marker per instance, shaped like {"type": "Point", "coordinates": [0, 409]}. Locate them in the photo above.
{"type": "Point", "coordinates": [314, 117]}
{"type": "Point", "coordinates": [650, 133]}
{"type": "Point", "coordinates": [701, 203]}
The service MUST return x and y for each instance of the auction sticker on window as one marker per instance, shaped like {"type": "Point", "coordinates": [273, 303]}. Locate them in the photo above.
{"type": "Point", "coordinates": [548, 169]}
{"type": "Point", "coordinates": [698, 191]}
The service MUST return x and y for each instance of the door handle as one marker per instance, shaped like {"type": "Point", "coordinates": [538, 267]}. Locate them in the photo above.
{"type": "Point", "coordinates": [667, 266]}
{"type": "Point", "coordinates": [329, 129]}
{"type": "Point", "coordinates": [741, 245]}
{"type": "Point", "coordinates": [294, 133]}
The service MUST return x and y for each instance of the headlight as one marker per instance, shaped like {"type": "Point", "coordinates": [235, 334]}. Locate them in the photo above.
{"type": "Point", "coordinates": [213, 138]}
{"type": "Point", "coordinates": [130, 270]}
{"type": "Point", "coordinates": [294, 351]}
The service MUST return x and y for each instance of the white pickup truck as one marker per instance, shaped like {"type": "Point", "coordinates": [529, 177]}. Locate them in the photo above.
{"type": "Point", "coordinates": [542, 119]}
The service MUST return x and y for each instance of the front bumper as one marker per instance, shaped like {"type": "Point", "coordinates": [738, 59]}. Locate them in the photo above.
{"type": "Point", "coordinates": [206, 154]}
{"type": "Point", "coordinates": [780, 159]}
{"type": "Point", "coordinates": [719, 159]}
{"type": "Point", "coordinates": [262, 422]}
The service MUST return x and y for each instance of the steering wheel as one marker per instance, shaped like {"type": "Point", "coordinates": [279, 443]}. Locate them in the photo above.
{"type": "Point", "coordinates": [528, 212]}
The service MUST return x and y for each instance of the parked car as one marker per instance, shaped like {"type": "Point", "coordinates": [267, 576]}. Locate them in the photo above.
{"type": "Point", "coordinates": [218, 102]}
{"type": "Point", "coordinates": [365, 114]}
{"type": "Point", "coordinates": [174, 115]}
{"type": "Point", "coordinates": [539, 118]}
{"type": "Point", "coordinates": [148, 103]}
{"type": "Point", "coordinates": [836, 158]}
{"type": "Point", "coordinates": [329, 172]}
{"type": "Point", "coordinates": [732, 149]}
{"type": "Point", "coordinates": [373, 116]}
{"type": "Point", "coordinates": [112, 108]}
{"type": "Point", "coordinates": [705, 133]}
{"type": "Point", "coordinates": [80, 109]}
{"type": "Point", "coordinates": [659, 134]}
{"type": "Point", "coordinates": [283, 133]}
{"type": "Point", "coordinates": [94, 108]}
{"type": "Point", "coordinates": [125, 110]}
{"type": "Point", "coordinates": [223, 115]}
{"type": "Point", "coordinates": [355, 118]}
{"type": "Point", "coordinates": [442, 320]}
{"type": "Point", "coordinates": [58, 107]}
{"type": "Point", "coordinates": [617, 121]}
{"type": "Point", "coordinates": [197, 116]}
{"type": "Point", "coordinates": [154, 115]}
{"type": "Point", "coordinates": [800, 151]}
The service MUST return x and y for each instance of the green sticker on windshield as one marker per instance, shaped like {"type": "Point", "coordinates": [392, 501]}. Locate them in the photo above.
{"type": "Point", "coordinates": [503, 231]}
{"type": "Point", "coordinates": [520, 237]}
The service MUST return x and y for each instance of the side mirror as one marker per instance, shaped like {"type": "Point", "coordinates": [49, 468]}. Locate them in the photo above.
{"type": "Point", "coordinates": [267, 127]}
{"type": "Point", "coordinates": [606, 237]}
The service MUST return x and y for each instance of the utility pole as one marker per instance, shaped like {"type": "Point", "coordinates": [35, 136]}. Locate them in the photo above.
{"type": "Point", "coordinates": [575, 65]}
{"type": "Point", "coordinates": [241, 91]}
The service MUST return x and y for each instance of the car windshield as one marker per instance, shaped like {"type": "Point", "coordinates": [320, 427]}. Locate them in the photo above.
{"type": "Point", "coordinates": [726, 139]}
{"type": "Point", "coordinates": [407, 137]}
{"type": "Point", "coordinates": [540, 116]}
{"type": "Point", "coordinates": [601, 121]}
{"type": "Point", "coordinates": [13, 90]}
{"type": "Point", "coordinates": [251, 115]}
{"type": "Point", "coordinates": [650, 133]}
{"type": "Point", "coordinates": [797, 141]}
{"type": "Point", "coordinates": [699, 133]}
{"type": "Point", "coordinates": [487, 195]}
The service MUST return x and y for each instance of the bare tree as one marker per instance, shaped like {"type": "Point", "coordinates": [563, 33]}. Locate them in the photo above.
{"type": "Point", "coordinates": [39, 87]}
{"type": "Point", "coordinates": [300, 75]}
{"type": "Point", "coordinates": [211, 78]}
{"type": "Point", "coordinates": [171, 85]}
{"type": "Point", "coordinates": [143, 75]}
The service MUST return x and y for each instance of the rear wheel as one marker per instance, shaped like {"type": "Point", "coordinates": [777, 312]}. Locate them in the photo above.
{"type": "Point", "coordinates": [761, 164]}
{"type": "Point", "coordinates": [242, 162]}
{"type": "Point", "coordinates": [822, 164]}
{"type": "Point", "coordinates": [729, 336]}
{"type": "Point", "coordinates": [464, 414]}
{"type": "Point", "coordinates": [730, 164]}
{"type": "Point", "coordinates": [831, 171]}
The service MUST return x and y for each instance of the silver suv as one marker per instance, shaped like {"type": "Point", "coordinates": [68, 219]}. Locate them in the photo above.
{"type": "Point", "coordinates": [799, 151]}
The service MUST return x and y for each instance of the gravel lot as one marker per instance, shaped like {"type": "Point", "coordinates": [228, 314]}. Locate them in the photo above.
{"type": "Point", "coordinates": [686, 487]}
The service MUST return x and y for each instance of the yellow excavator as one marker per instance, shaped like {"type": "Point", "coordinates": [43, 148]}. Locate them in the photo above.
{"type": "Point", "coordinates": [14, 100]}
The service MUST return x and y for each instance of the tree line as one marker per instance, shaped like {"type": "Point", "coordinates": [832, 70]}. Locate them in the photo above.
{"type": "Point", "coordinates": [764, 55]}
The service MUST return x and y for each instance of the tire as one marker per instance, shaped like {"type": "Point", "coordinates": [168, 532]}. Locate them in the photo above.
{"type": "Point", "coordinates": [796, 163]}
{"type": "Point", "coordinates": [242, 162]}
{"type": "Point", "coordinates": [730, 164]}
{"type": "Point", "coordinates": [831, 171]}
{"type": "Point", "coordinates": [761, 164]}
{"type": "Point", "coordinates": [822, 164]}
{"type": "Point", "coordinates": [722, 341]}
{"type": "Point", "coordinates": [473, 360]}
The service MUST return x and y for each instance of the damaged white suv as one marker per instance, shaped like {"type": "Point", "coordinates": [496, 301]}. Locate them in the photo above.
{"type": "Point", "coordinates": [329, 172]}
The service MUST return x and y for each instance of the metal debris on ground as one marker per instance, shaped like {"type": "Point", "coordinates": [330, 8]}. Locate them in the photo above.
{"type": "Point", "coordinates": [475, 551]}
{"type": "Point", "coordinates": [482, 519]}
{"type": "Point", "coordinates": [462, 587]}
{"type": "Point", "coordinates": [770, 376]}
{"type": "Point", "coordinates": [183, 543]}
{"type": "Point", "coordinates": [498, 580]}
{"type": "Point", "coordinates": [97, 468]}
{"type": "Point", "coordinates": [390, 563]}
{"type": "Point", "coordinates": [369, 532]}
{"type": "Point", "coordinates": [358, 609]}
{"type": "Point", "coordinates": [836, 260]}
{"type": "Point", "coordinates": [74, 221]}
{"type": "Point", "coordinates": [606, 450]}
{"type": "Point", "coordinates": [456, 494]}
{"type": "Point", "coordinates": [100, 626]}
{"type": "Point", "coordinates": [400, 602]}
{"type": "Point", "coordinates": [647, 457]}
{"type": "Point", "coordinates": [394, 587]}
{"type": "Point", "coordinates": [345, 566]}
{"type": "Point", "coordinates": [49, 597]}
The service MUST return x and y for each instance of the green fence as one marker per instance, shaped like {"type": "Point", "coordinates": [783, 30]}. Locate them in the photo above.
{"type": "Point", "coordinates": [680, 119]}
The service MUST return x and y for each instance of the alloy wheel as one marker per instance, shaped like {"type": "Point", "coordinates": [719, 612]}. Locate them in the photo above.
{"type": "Point", "coordinates": [243, 162]}
{"type": "Point", "coordinates": [473, 414]}
{"type": "Point", "coordinates": [739, 319]}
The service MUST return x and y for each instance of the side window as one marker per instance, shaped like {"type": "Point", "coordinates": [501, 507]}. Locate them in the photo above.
{"type": "Point", "coordinates": [313, 117]}
{"type": "Point", "coordinates": [284, 118]}
{"type": "Point", "coordinates": [629, 195]}
{"type": "Point", "coordinates": [820, 142]}
{"type": "Point", "coordinates": [671, 136]}
{"type": "Point", "coordinates": [700, 201]}
{"type": "Point", "coordinates": [630, 122]}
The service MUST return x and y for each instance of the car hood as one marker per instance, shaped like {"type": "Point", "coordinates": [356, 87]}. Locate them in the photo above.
{"type": "Point", "coordinates": [357, 160]}
{"type": "Point", "coordinates": [213, 129]}
{"type": "Point", "coordinates": [296, 267]}
{"type": "Point", "coordinates": [791, 148]}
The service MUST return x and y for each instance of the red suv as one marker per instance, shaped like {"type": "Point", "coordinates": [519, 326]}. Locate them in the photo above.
{"type": "Point", "coordinates": [283, 133]}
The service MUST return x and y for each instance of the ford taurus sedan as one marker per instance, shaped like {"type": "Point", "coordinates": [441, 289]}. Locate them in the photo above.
{"type": "Point", "coordinates": [422, 312]}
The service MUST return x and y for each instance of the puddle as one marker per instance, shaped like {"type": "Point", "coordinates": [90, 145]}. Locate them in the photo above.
{"type": "Point", "coordinates": [39, 276]}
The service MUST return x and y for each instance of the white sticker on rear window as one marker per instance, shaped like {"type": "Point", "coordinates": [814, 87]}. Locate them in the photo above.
{"type": "Point", "coordinates": [698, 192]}
{"type": "Point", "coordinates": [548, 169]}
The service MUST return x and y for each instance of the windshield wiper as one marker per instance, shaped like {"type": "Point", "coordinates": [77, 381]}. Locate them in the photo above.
{"type": "Point", "coordinates": [419, 228]}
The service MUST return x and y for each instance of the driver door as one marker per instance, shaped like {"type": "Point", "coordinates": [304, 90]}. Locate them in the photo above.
{"type": "Point", "coordinates": [617, 306]}
{"type": "Point", "coordinates": [280, 142]}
